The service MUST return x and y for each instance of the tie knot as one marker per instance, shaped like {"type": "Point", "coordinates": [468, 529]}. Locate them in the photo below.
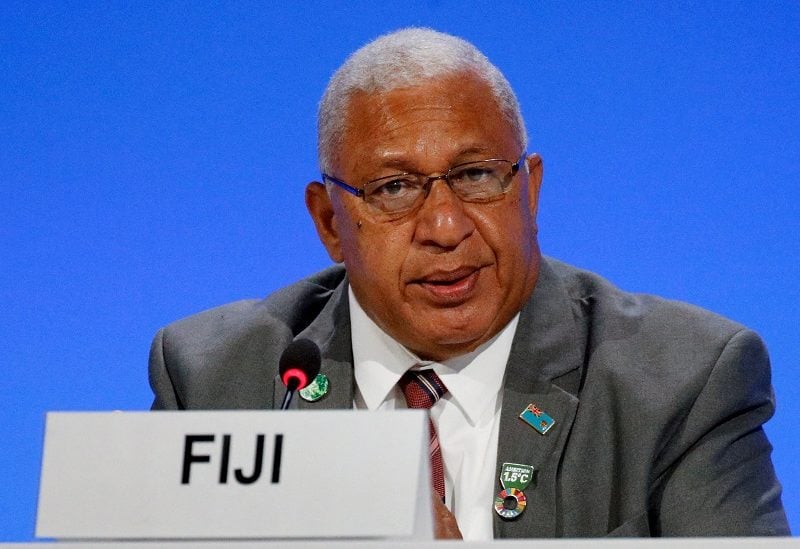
{"type": "Point", "coordinates": [422, 388]}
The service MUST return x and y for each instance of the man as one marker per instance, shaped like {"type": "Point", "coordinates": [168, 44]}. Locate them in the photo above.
{"type": "Point", "coordinates": [640, 416]}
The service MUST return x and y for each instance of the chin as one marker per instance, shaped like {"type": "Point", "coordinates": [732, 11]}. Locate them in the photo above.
{"type": "Point", "coordinates": [445, 346]}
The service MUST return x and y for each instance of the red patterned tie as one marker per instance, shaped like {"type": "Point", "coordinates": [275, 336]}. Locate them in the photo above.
{"type": "Point", "coordinates": [422, 388]}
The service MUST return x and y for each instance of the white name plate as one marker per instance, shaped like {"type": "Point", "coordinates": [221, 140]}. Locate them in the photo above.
{"type": "Point", "coordinates": [235, 474]}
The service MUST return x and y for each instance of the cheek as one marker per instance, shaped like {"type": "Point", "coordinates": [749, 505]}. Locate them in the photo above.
{"type": "Point", "coordinates": [388, 251]}
{"type": "Point", "coordinates": [378, 253]}
{"type": "Point", "coordinates": [508, 231]}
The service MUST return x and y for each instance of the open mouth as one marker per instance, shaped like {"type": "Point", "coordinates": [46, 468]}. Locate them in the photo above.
{"type": "Point", "coordinates": [451, 286]}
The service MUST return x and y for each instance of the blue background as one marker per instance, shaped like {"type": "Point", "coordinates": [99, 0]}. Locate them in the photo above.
{"type": "Point", "coordinates": [153, 158]}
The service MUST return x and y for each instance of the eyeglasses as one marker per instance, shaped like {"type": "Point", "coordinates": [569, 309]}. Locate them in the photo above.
{"type": "Point", "coordinates": [481, 181]}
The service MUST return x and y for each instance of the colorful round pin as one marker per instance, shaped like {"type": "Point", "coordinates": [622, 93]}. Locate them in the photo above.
{"type": "Point", "coordinates": [510, 503]}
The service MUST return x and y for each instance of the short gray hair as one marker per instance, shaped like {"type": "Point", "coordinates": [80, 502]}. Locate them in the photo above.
{"type": "Point", "coordinates": [406, 58]}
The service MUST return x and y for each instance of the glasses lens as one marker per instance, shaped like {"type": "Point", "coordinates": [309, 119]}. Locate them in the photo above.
{"type": "Point", "coordinates": [394, 194]}
{"type": "Point", "coordinates": [480, 181]}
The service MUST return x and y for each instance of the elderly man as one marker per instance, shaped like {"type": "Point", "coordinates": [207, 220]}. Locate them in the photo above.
{"type": "Point", "coordinates": [631, 415]}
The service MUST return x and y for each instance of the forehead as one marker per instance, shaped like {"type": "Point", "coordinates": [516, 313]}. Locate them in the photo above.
{"type": "Point", "coordinates": [438, 121]}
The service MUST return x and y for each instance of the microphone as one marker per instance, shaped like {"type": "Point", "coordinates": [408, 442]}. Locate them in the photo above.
{"type": "Point", "coordinates": [298, 366]}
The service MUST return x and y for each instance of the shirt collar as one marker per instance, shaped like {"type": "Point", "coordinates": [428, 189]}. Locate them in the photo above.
{"type": "Point", "coordinates": [473, 380]}
{"type": "Point", "coordinates": [378, 360]}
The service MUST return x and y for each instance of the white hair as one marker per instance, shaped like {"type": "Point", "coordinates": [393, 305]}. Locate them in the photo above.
{"type": "Point", "coordinates": [402, 59]}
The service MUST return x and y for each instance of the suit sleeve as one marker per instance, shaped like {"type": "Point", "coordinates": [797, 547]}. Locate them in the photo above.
{"type": "Point", "coordinates": [160, 381]}
{"type": "Point", "coordinates": [722, 482]}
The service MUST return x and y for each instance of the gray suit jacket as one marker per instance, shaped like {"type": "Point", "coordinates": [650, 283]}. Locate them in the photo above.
{"type": "Point", "coordinates": [658, 405]}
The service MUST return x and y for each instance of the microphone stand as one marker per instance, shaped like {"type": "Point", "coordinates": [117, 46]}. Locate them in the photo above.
{"type": "Point", "coordinates": [291, 389]}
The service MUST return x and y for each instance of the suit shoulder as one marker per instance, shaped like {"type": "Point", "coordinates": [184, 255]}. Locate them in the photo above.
{"type": "Point", "coordinates": [227, 357]}
{"type": "Point", "coordinates": [633, 337]}
{"type": "Point", "coordinates": [657, 356]}
{"type": "Point", "coordinates": [618, 312]}
{"type": "Point", "coordinates": [286, 311]}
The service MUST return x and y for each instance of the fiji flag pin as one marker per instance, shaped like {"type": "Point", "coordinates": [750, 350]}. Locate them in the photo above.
{"type": "Point", "coordinates": [316, 389]}
{"type": "Point", "coordinates": [537, 418]}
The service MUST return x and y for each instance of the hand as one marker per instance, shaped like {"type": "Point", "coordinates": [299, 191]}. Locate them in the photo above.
{"type": "Point", "coordinates": [444, 523]}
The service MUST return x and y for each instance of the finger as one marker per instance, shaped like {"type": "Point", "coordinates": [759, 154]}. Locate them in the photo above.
{"type": "Point", "coordinates": [445, 525]}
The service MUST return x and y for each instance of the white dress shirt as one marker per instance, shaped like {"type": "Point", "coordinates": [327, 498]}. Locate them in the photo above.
{"type": "Point", "coordinates": [467, 418]}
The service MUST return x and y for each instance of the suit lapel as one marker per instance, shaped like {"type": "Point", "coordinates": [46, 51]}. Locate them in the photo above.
{"type": "Point", "coordinates": [330, 330]}
{"type": "Point", "coordinates": [544, 370]}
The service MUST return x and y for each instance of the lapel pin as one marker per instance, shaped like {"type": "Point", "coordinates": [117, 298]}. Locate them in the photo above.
{"type": "Point", "coordinates": [511, 501]}
{"type": "Point", "coordinates": [316, 389]}
{"type": "Point", "coordinates": [537, 418]}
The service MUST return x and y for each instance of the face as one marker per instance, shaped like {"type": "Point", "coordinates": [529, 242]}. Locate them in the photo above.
{"type": "Point", "coordinates": [448, 276]}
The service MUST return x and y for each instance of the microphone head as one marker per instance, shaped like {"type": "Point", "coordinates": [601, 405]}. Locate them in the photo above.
{"type": "Point", "coordinates": [299, 363]}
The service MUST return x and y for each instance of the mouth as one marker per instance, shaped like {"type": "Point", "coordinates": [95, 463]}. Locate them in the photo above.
{"type": "Point", "coordinates": [449, 287]}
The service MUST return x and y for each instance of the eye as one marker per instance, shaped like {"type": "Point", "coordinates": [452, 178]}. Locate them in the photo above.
{"type": "Point", "coordinates": [393, 187]}
{"type": "Point", "coordinates": [476, 173]}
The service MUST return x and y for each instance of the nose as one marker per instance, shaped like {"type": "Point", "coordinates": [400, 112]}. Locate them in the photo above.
{"type": "Point", "coordinates": [442, 222]}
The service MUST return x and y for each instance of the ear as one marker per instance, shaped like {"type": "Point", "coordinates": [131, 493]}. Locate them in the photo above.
{"type": "Point", "coordinates": [319, 205]}
{"type": "Point", "coordinates": [535, 168]}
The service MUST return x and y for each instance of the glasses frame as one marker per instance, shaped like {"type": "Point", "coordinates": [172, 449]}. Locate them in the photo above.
{"type": "Point", "coordinates": [428, 179]}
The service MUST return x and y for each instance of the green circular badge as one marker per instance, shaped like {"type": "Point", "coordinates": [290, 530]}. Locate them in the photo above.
{"type": "Point", "coordinates": [316, 389]}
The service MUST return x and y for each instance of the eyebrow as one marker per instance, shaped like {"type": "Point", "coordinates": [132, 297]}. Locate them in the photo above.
{"type": "Point", "coordinates": [399, 160]}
